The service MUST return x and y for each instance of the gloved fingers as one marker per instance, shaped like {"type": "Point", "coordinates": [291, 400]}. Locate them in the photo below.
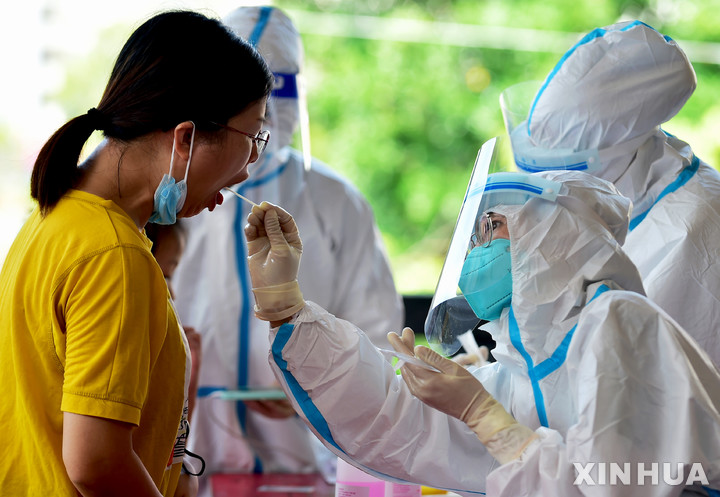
{"type": "Point", "coordinates": [404, 343]}
{"type": "Point", "coordinates": [284, 217]}
{"type": "Point", "coordinates": [478, 359]}
{"type": "Point", "coordinates": [274, 409]}
{"type": "Point", "coordinates": [258, 246]}
{"type": "Point", "coordinates": [287, 222]}
{"type": "Point", "coordinates": [465, 359]}
{"type": "Point", "coordinates": [447, 366]}
{"type": "Point", "coordinates": [484, 354]}
{"type": "Point", "coordinates": [398, 344]}
{"type": "Point", "coordinates": [293, 239]}
{"type": "Point", "coordinates": [289, 227]}
{"type": "Point", "coordinates": [411, 380]}
{"type": "Point", "coordinates": [275, 223]}
{"type": "Point", "coordinates": [252, 229]}
{"type": "Point", "coordinates": [408, 338]}
{"type": "Point", "coordinates": [256, 215]}
{"type": "Point", "coordinates": [274, 231]}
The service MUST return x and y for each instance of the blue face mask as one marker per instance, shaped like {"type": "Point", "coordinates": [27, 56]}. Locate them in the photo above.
{"type": "Point", "coordinates": [486, 280]}
{"type": "Point", "coordinates": [170, 196]}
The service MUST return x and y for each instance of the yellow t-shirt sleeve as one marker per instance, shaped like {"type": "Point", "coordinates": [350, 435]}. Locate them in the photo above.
{"type": "Point", "coordinates": [115, 324]}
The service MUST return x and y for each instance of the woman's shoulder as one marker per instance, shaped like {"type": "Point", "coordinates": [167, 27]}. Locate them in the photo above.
{"type": "Point", "coordinates": [82, 227]}
{"type": "Point", "coordinates": [94, 222]}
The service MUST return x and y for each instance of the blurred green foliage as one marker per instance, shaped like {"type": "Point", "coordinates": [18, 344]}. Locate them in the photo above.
{"type": "Point", "coordinates": [404, 120]}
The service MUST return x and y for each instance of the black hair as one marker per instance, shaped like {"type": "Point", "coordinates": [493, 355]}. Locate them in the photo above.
{"type": "Point", "coordinates": [177, 66]}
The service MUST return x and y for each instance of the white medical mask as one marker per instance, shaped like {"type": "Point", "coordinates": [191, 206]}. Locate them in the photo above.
{"type": "Point", "coordinates": [170, 196]}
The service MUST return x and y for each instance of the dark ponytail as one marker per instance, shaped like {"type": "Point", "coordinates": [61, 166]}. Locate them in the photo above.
{"type": "Point", "coordinates": [177, 66]}
{"type": "Point", "coordinates": [55, 170]}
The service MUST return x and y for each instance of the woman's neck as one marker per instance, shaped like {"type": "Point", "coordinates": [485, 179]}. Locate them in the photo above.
{"type": "Point", "coordinates": [124, 175]}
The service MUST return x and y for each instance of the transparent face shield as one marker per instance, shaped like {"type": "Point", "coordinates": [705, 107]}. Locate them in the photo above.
{"type": "Point", "coordinates": [478, 227]}
{"type": "Point", "coordinates": [517, 104]}
{"type": "Point", "coordinates": [450, 315]}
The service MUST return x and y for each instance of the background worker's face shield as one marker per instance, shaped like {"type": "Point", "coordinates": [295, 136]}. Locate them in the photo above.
{"type": "Point", "coordinates": [517, 105]}
{"type": "Point", "coordinates": [451, 314]}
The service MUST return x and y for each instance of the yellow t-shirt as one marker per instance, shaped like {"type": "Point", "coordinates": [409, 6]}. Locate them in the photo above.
{"type": "Point", "coordinates": [86, 326]}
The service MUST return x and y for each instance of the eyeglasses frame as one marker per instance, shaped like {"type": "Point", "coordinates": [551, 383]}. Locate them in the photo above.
{"type": "Point", "coordinates": [257, 139]}
{"type": "Point", "coordinates": [477, 242]}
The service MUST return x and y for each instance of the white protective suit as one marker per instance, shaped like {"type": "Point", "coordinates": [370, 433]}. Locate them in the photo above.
{"type": "Point", "coordinates": [616, 379]}
{"type": "Point", "coordinates": [610, 93]}
{"type": "Point", "coordinates": [345, 269]}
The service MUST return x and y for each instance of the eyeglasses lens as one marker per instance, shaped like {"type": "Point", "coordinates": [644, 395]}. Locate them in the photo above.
{"type": "Point", "coordinates": [486, 230]}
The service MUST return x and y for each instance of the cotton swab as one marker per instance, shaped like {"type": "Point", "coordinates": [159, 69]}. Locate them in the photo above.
{"type": "Point", "coordinates": [403, 358]}
{"type": "Point", "coordinates": [240, 196]}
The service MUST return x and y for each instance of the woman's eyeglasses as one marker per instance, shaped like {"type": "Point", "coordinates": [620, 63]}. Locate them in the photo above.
{"type": "Point", "coordinates": [261, 139]}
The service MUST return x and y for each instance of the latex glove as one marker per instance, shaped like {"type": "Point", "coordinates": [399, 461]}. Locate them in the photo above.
{"type": "Point", "coordinates": [274, 250]}
{"type": "Point", "coordinates": [479, 358]}
{"type": "Point", "coordinates": [474, 355]}
{"type": "Point", "coordinates": [458, 393]}
{"type": "Point", "coordinates": [274, 409]}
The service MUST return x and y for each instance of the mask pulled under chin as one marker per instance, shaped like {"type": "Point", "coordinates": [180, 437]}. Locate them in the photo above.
{"type": "Point", "coordinates": [168, 200]}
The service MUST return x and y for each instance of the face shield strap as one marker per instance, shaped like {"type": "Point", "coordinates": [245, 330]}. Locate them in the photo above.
{"type": "Point", "coordinates": [532, 159]}
{"type": "Point", "coordinates": [285, 85]}
{"type": "Point", "coordinates": [516, 189]}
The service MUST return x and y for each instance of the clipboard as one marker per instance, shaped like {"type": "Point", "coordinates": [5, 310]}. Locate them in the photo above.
{"type": "Point", "coordinates": [250, 393]}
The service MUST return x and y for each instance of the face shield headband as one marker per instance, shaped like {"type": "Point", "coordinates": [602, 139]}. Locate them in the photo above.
{"type": "Point", "coordinates": [516, 103]}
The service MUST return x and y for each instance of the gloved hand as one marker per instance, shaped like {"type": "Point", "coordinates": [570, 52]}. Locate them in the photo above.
{"type": "Point", "coordinates": [274, 408]}
{"type": "Point", "coordinates": [274, 250]}
{"type": "Point", "coordinates": [478, 359]}
{"type": "Point", "coordinates": [458, 393]}
{"type": "Point", "coordinates": [474, 355]}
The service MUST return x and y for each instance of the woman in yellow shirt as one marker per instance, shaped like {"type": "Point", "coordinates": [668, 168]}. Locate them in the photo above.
{"type": "Point", "coordinates": [93, 362]}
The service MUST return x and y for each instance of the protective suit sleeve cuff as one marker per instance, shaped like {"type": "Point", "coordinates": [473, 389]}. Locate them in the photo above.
{"type": "Point", "coordinates": [277, 302]}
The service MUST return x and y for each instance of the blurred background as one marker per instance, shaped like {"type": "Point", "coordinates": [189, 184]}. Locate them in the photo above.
{"type": "Point", "coordinates": [401, 94]}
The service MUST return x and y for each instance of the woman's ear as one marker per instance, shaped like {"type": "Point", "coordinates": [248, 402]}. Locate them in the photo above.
{"type": "Point", "coordinates": [183, 134]}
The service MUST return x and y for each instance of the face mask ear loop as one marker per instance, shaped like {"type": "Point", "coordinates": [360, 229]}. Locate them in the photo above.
{"type": "Point", "coordinates": [192, 143]}
{"type": "Point", "coordinates": [172, 158]}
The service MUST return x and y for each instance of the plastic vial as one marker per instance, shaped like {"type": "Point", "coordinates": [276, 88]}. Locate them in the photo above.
{"type": "Point", "coordinates": [402, 490]}
{"type": "Point", "coordinates": [353, 482]}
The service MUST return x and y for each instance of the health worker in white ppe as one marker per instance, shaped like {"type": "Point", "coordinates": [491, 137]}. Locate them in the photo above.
{"type": "Point", "coordinates": [588, 369]}
{"type": "Point", "coordinates": [346, 270]}
{"type": "Point", "coordinates": [599, 110]}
